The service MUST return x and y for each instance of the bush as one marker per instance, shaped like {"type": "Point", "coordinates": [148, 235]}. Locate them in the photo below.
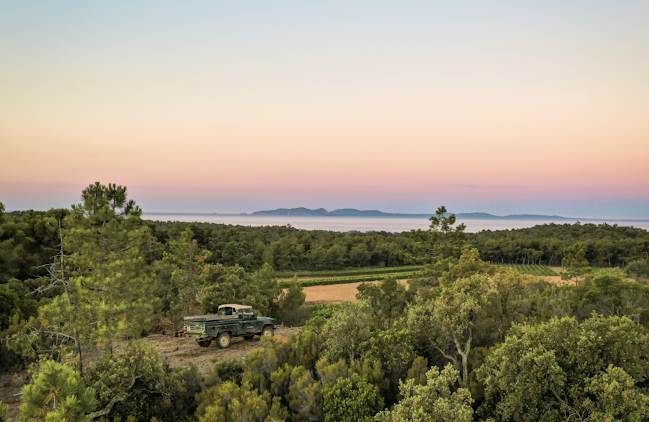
{"type": "Point", "coordinates": [136, 383]}
{"type": "Point", "coordinates": [351, 399]}
{"type": "Point", "coordinates": [229, 370]}
{"type": "Point", "coordinates": [563, 367]}
{"type": "Point", "coordinates": [58, 392]}
{"type": "Point", "coordinates": [4, 412]}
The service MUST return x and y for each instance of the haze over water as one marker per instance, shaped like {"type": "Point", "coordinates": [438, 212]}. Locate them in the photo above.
{"type": "Point", "coordinates": [363, 224]}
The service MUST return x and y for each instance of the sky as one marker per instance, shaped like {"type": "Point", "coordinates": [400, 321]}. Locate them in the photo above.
{"type": "Point", "coordinates": [206, 106]}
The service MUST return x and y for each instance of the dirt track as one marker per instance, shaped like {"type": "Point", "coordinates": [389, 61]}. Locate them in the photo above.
{"type": "Point", "coordinates": [181, 351]}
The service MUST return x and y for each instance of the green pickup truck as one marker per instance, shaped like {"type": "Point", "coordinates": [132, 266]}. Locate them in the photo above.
{"type": "Point", "coordinates": [229, 321]}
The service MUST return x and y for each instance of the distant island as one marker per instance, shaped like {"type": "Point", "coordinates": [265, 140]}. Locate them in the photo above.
{"type": "Point", "coordinates": [351, 212]}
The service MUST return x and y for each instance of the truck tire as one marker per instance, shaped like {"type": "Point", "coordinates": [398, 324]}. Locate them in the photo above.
{"type": "Point", "coordinates": [248, 337]}
{"type": "Point", "coordinates": [268, 331]}
{"type": "Point", "coordinates": [204, 342]}
{"type": "Point", "coordinates": [223, 340]}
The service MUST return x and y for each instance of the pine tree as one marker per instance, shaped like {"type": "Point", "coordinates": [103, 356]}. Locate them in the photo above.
{"type": "Point", "coordinates": [58, 392]}
{"type": "Point", "coordinates": [102, 268]}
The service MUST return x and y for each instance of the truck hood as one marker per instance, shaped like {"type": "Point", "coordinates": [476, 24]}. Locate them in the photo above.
{"type": "Point", "coordinates": [266, 319]}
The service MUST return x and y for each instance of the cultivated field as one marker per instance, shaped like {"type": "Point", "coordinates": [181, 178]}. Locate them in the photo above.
{"type": "Point", "coordinates": [332, 293]}
{"type": "Point", "coordinates": [339, 286]}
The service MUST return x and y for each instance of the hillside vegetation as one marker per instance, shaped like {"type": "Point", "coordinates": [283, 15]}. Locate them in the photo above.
{"type": "Point", "coordinates": [464, 339]}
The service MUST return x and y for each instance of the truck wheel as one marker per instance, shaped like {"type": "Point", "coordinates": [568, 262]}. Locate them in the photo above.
{"type": "Point", "coordinates": [267, 331]}
{"type": "Point", "coordinates": [223, 340]}
{"type": "Point", "coordinates": [205, 342]}
{"type": "Point", "coordinates": [248, 337]}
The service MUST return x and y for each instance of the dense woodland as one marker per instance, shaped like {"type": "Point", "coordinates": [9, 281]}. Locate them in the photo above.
{"type": "Point", "coordinates": [464, 340]}
{"type": "Point", "coordinates": [27, 239]}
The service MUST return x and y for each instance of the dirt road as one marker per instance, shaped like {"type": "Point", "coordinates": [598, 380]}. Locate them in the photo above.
{"type": "Point", "coordinates": [181, 351]}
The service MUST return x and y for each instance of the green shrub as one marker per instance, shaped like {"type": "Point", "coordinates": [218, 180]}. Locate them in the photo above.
{"type": "Point", "coordinates": [351, 399]}
{"type": "Point", "coordinates": [4, 412]}
{"type": "Point", "coordinates": [58, 392]}
{"type": "Point", "coordinates": [136, 383]}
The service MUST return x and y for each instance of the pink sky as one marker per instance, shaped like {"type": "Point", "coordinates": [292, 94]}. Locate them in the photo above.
{"type": "Point", "coordinates": [513, 109]}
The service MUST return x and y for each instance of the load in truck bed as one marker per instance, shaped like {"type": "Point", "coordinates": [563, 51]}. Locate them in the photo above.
{"type": "Point", "coordinates": [230, 321]}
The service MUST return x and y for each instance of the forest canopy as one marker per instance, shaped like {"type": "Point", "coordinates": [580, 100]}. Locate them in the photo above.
{"type": "Point", "coordinates": [464, 338]}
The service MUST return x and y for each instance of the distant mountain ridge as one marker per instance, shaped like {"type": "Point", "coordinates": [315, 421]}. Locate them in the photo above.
{"type": "Point", "coordinates": [351, 212]}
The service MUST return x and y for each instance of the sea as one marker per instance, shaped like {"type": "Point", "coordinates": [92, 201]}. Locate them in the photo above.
{"type": "Point", "coordinates": [367, 224]}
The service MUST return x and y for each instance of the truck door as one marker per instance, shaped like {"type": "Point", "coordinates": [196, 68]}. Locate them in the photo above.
{"type": "Point", "coordinates": [247, 319]}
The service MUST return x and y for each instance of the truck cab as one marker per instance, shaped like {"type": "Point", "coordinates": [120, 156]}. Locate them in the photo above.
{"type": "Point", "coordinates": [230, 320]}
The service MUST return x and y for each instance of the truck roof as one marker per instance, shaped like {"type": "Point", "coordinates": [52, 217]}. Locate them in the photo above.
{"type": "Point", "coordinates": [212, 317]}
{"type": "Point", "coordinates": [237, 307]}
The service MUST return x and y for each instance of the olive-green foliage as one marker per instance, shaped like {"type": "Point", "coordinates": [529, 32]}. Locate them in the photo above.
{"type": "Point", "coordinates": [234, 285]}
{"type": "Point", "coordinates": [508, 300]}
{"type": "Point", "coordinates": [25, 241]}
{"type": "Point", "coordinates": [291, 374]}
{"type": "Point", "coordinates": [448, 322]}
{"type": "Point", "coordinates": [609, 294]}
{"type": "Point", "coordinates": [606, 245]}
{"type": "Point", "coordinates": [4, 408]}
{"type": "Point", "coordinates": [439, 247]}
{"type": "Point", "coordinates": [16, 303]}
{"type": "Point", "coordinates": [437, 400]}
{"type": "Point", "coordinates": [8, 306]}
{"type": "Point", "coordinates": [347, 330]}
{"type": "Point", "coordinates": [136, 383]}
{"type": "Point", "coordinates": [57, 393]}
{"type": "Point", "coordinates": [260, 363]}
{"type": "Point", "coordinates": [395, 349]}
{"type": "Point", "coordinates": [229, 370]}
{"type": "Point", "coordinates": [468, 264]}
{"type": "Point", "coordinates": [575, 262]}
{"type": "Point", "coordinates": [323, 312]}
{"type": "Point", "coordinates": [103, 271]}
{"type": "Point", "coordinates": [553, 370]}
{"type": "Point", "coordinates": [351, 399]}
{"type": "Point", "coordinates": [417, 371]}
{"type": "Point", "coordinates": [289, 249]}
{"type": "Point", "coordinates": [306, 348]}
{"type": "Point", "coordinates": [186, 264]}
{"type": "Point", "coordinates": [234, 403]}
{"type": "Point", "coordinates": [387, 300]}
{"type": "Point", "coordinates": [638, 269]}
{"type": "Point", "coordinates": [550, 300]}
{"type": "Point", "coordinates": [186, 399]}
{"type": "Point", "coordinates": [292, 312]}
{"type": "Point", "coordinates": [614, 396]}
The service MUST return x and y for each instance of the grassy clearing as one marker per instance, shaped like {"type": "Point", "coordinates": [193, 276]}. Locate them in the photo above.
{"type": "Point", "coordinates": [347, 280]}
{"type": "Point", "coordinates": [533, 269]}
{"type": "Point", "coordinates": [357, 272]}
